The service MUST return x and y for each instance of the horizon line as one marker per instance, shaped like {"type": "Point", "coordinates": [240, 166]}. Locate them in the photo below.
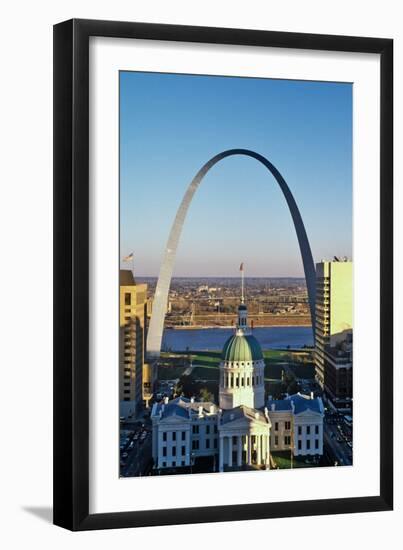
{"type": "Point", "coordinates": [223, 276]}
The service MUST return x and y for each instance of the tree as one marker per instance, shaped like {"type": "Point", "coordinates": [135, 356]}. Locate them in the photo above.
{"type": "Point", "coordinates": [178, 389]}
{"type": "Point", "coordinates": [205, 395]}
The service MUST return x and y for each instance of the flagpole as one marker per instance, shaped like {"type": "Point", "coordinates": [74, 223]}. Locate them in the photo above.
{"type": "Point", "coordinates": [242, 284]}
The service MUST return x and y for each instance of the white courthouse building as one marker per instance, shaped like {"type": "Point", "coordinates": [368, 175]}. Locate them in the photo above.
{"type": "Point", "coordinates": [241, 430]}
{"type": "Point", "coordinates": [297, 424]}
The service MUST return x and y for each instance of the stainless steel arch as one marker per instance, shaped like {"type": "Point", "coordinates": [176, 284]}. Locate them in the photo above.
{"type": "Point", "coordinates": [154, 337]}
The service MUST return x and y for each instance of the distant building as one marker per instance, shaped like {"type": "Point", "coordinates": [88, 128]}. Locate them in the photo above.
{"type": "Point", "coordinates": [333, 331]}
{"type": "Point", "coordinates": [334, 315]}
{"type": "Point", "coordinates": [133, 326]}
{"type": "Point", "coordinates": [297, 424]}
{"type": "Point", "coordinates": [149, 380]}
{"type": "Point", "coordinates": [339, 375]}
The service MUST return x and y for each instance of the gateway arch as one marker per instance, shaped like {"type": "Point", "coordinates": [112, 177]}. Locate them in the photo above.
{"type": "Point", "coordinates": [156, 328]}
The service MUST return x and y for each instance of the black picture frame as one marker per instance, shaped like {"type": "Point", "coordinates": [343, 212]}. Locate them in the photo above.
{"type": "Point", "coordinates": [71, 274]}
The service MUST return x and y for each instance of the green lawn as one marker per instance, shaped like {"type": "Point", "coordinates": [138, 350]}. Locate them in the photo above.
{"type": "Point", "coordinates": [283, 460]}
{"type": "Point", "coordinates": [274, 355]}
{"type": "Point", "coordinates": [206, 367]}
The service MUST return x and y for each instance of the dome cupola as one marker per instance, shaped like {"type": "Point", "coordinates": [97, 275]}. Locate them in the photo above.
{"type": "Point", "coordinates": [242, 347]}
{"type": "Point", "coordinates": [242, 365]}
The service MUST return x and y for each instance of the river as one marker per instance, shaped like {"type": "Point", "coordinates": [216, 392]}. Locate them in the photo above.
{"type": "Point", "coordinates": [214, 338]}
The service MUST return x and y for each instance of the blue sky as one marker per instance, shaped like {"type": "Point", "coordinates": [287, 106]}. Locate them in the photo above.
{"type": "Point", "coordinates": [170, 125]}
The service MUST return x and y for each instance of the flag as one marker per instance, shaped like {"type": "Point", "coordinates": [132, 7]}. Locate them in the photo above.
{"type": "Point", "coordinates": [241, 267]}
{"type": "Point", "coordinates": [128, 258]}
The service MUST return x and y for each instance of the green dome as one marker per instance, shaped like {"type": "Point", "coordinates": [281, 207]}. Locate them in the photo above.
{"type": "Point", "coordinates": [242, 348]}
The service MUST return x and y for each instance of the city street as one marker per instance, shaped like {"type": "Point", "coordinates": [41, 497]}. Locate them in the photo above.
{"type": "Point", "coordinates": [336, 444]}
{"type": "Point", "coordinates": [138, 461]}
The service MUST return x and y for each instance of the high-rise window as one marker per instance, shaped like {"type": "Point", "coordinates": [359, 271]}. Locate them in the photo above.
{"type": "Point", "coordinates": [288, 425]}
{"type": "Point", "coordinates": [308, 430]}
{"type": "Point", "coordinates": [128, 299]}
{"type": "Point", "coordinates": [316, 429]}
{"type": "Point", "coordinates": [299, 430]}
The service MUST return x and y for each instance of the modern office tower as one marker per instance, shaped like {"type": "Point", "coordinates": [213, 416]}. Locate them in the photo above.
{"type": "Point", "coordinates": [133, 327]}
{"type": "Point", "coordinates": [334, 327]}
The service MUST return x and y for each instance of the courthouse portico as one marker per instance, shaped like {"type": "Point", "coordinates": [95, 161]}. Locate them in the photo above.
{"type": "Point", "coordinates": [243, 438]}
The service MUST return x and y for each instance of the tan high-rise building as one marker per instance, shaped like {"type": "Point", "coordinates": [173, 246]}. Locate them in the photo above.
{"type": "Point", "coordinates": [132, 344]}
{"type": "Point", "coordinates": [333, 325]}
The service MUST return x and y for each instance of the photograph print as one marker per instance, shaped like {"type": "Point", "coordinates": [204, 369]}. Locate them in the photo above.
{"type": "Point", "coordinates": [236, 274]}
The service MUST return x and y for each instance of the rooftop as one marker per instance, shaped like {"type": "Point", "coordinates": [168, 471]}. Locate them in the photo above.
{"type": "Point", "coordinates": [297, 402]}
{"type": "Point", "coordinates": [182, 406]}
{"type": "Point", "coordinates": [126, 278]}
{"type": "Point", "coordinates": [242, 411]}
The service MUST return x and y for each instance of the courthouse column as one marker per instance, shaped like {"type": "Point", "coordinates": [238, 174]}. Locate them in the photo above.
{"type": "Point", "coordinates": [221, 458]}
{"type": "Point", "coordinates": [230, 451]}
{"type": "Point", "coordinates": [249, 449]}
{"type": "Point", "coordinates": [239, 451]}
{"type": "Point", "coordinates": [267, 453]}
{"type": "Point", "coordinates": [259, 449]}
